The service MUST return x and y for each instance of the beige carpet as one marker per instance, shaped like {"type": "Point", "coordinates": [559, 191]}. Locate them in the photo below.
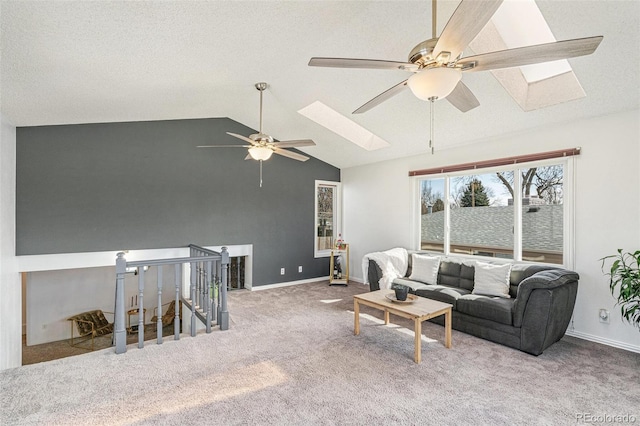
{"type": "Point", "coordinates": [290, 358]}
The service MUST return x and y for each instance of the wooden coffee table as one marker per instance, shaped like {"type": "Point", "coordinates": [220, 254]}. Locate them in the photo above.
{"type": "Point", "coordinates": [420, 309]}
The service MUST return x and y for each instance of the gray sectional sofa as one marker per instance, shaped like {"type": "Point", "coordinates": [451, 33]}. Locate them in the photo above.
{"type": "Point", "coordinates": [535, 316]}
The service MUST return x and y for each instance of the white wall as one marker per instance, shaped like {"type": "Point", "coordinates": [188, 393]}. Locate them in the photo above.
{"type": "Point", "coordinates": [10, 284]}
{"type": "Point", "coordinates": [380, 201]}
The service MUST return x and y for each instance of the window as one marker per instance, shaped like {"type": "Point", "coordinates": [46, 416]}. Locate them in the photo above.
{"type": "Point", "coordinates": [481, 217]}
{"type": "Point", "coordinates": [475, 214]}
{"type": "Point", "coordinates": [432, 201]}
{"type": "Point", "coordinates": [543, 213]}
{"type": "Point", "coordinates": [327, 217]}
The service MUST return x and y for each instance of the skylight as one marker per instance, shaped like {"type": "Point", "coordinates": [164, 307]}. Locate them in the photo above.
{"type": "Point", "coordinates": [520, 23]}
{"type": "Point", "coordinates": [342, 126]}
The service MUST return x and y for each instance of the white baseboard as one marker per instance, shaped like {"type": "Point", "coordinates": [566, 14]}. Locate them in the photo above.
{"type": "Point", "coordinates": [289, 283]}
{"type": "Point", "coordinates": [307, 281]}
{"type": "Point", "coordinates": [602, 340]}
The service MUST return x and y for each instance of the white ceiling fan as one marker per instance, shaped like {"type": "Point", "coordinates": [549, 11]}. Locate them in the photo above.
{"type": "Point", "coordinates": [437, 64]}
{"type": "Point", "coordinates": [262, 145]}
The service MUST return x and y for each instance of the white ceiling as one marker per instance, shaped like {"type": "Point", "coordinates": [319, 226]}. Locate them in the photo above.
{"type": "Point", "coordinates": [87, 62]}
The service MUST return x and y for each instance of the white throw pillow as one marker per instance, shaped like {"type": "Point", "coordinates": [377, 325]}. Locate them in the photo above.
{"type": "Point", "coordinates": [491, 280]}
{"type": "Point", "coordinates": [424, 268]}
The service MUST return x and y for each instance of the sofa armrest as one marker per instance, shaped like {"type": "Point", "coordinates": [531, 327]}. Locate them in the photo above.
{"type": "Point", "coordinates": [375, 273]}
{"type": "Point", "coordinates": [543, 308]}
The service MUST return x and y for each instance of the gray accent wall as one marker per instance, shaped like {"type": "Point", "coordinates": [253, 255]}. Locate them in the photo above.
{"type": "Point", "coordinates": [145, 185]}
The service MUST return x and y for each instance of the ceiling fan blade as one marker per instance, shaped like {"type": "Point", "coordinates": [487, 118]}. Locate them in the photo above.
{"type": "Point", "coordinates": [462, 98]}
{"type": "Point", "coordinates": [362, 63]}
{"type": "Point", "coordinates": [244, 138]}
{"type": "Point", "coordinates": [294, 143]}
{"type": "Point", "coordinates": [464, 25]}
{"type": "Point", "coordinates": [382, 97]}
{"type": "Point", "coordinates": [532, 54]}
{"type": "Point", "coordinates": [290, 154]}
{"type": "Point", "coordinates": [224, 146]}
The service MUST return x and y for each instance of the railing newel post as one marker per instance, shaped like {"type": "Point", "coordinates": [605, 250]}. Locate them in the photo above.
{"type": "Point", "coordinates": [120, 334]}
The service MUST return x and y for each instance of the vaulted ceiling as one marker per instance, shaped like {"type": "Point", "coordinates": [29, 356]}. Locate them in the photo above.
{"type": "Point", "coordinates": [88, 62]}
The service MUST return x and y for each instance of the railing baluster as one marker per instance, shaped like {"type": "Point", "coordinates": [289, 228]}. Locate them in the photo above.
{"type": "Point", "coordinates": [202, 285]}
{"type": "Point", "coordinates": [193, 273]}
{"type": "Point", "coordinates": [176, 320]}
{"type": "Point", "coordinates": [217, 297]}
{"type": "Point", "coordinates": [159, 323]}
{"type": "Point", "coordinates": [198, 284]}
{"type": "Point", "coordinates": [140, 307]}
{"type": "Point", "coordinates": [224, 313]}
{"type": "Point", "coordinates": [120, 334]}
{"type": "Point", "coordinates": [208, 296]}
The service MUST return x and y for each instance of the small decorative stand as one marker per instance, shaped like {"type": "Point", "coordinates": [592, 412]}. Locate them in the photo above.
{"type": "Point", "coordinates": [135, 311]}
{"type": "Point", "coordinates": [339, 270]}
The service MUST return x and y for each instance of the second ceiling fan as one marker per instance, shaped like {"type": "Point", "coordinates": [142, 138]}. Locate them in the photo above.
{"type": "Point", "coordinates": [262, 146]}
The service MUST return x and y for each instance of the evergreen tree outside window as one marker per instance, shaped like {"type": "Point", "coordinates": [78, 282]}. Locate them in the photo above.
{"type": "Point", "coordinates": [481, 221]}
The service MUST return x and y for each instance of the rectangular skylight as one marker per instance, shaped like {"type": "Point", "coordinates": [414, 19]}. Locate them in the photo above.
{"type": "Point", "coordinates": [520, 23]}
{"type": "Point", "coordinates": [342, 126]}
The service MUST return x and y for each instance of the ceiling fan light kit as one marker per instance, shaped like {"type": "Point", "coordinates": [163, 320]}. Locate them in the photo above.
{"type": "Point", "coordinates": [435, 83]}
{"type": "Point", "coordinates": [260, 153]}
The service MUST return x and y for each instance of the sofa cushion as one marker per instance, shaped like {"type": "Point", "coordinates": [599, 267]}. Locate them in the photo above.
{"type": "Point", "coordinates": [442, 293]}
{"type": "Point", "coordinates": [456, 275]}
{"type": "Point", "coordinates": [491, 279]}
{"type": "Point", "coordinates": [425, 268]}
{"type": "Point", "coordinates": [413, 285]}
{"type": "Point", "coordinates": [496, 309]}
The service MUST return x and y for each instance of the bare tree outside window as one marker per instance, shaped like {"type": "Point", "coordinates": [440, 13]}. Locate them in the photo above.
{"type": "Point", "coordinates": [546, 182]}
{"type": "Point", "coordinates": [430, 197]}
{"type": "Point", "coordinates": [432, 202]}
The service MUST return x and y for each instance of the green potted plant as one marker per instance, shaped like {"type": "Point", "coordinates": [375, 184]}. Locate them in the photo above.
{"type": "Point", "coordinates": [624, 276]}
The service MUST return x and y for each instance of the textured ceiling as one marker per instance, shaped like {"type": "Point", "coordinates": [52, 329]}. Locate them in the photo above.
{"type": "Point", "coordinates": [88, 62]}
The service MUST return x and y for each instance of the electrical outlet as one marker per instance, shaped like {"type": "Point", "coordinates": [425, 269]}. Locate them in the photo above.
{"type": "Point", "coordinates": [603, 315]}
{"type": "Point", "coordinates": [300, 268]}
{"type": "Point", "coordinates": [281, 271]}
